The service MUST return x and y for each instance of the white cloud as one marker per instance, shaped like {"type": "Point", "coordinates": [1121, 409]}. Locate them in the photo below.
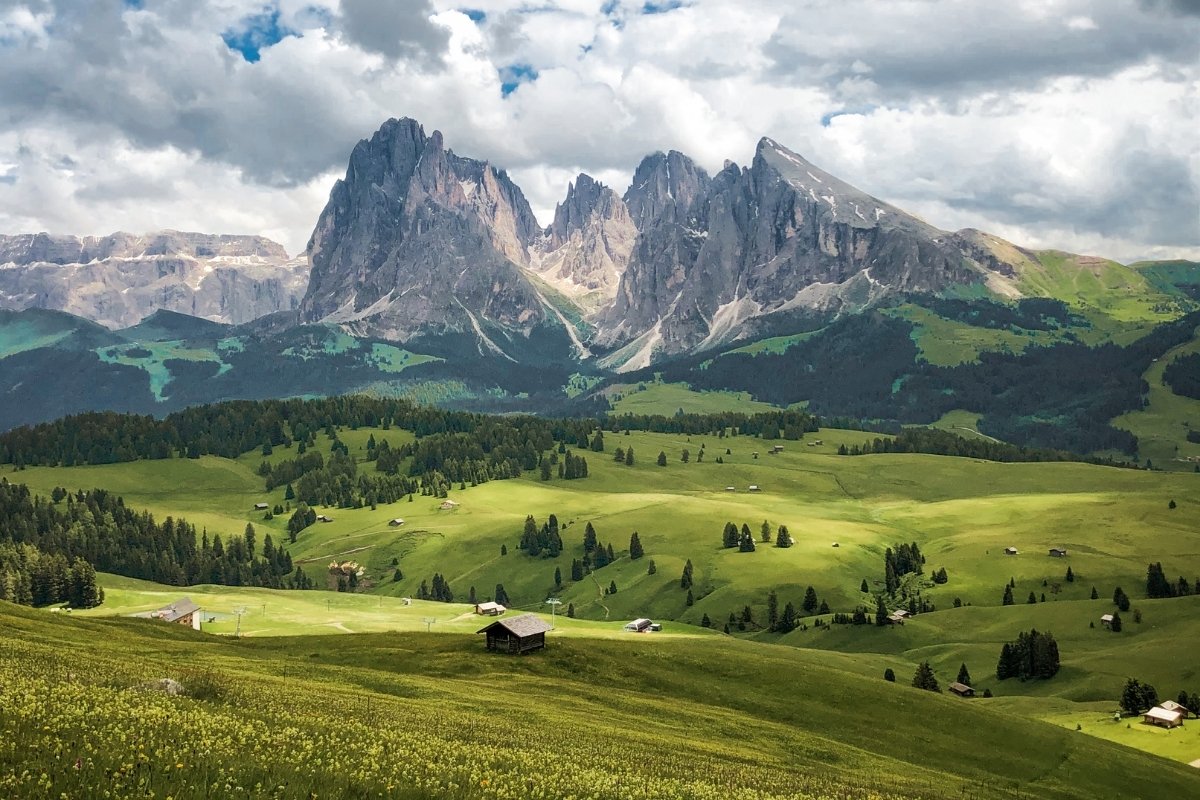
{"type": "Point", "coordinates": [1059, 123]}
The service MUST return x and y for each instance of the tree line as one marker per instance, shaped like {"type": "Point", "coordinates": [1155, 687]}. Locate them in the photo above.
{"type": "Point", "coordinates": [944, 443]}
{"type": "Point", "coordinates": [97, 527]}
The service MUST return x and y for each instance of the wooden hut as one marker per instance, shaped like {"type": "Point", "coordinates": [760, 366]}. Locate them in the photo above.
{"type": "Point", "coordinates": [261, 506]}
{"type": "Point", "coordinates": [396, 522]}
{"type": "Point", "coordinates": [1171, 705]}
{"type": "Point", "coordinates": [638, 625]}
{"type": "Point", "coordinates": [516, 635]}
{"type": "Point", "coordinates": [182, 612]}
{"type": "Point", "coordinates": [1162, 718]}
{"type": "Point", "coordinates": [961, 689]}
{"type": "Point", "coordinates": [1011, 551]}
{"type": "Point", "coordinates": [489, 609]}
{"type": "Point", "coordinates": [1058, 552]}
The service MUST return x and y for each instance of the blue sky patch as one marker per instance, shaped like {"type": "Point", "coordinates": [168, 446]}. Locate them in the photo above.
{"type": "Point", "coordinates": [514, 75]}
{"type": "Point", "coordinates": [256, 33]}
{"type": "Point", "coordinates": [661, 7]}
{"type": "Point", "coordinates": [842, 112]}
{"type": "Point", "coordinates": [474, 14]}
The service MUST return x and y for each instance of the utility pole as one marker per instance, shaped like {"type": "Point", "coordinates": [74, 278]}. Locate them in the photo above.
{"type": "Point", "coordinates": [428, 622]}
{"type": "Point", "coordinates": [237, 632]}
{"type": "Point", "coordinates": [554, 603]}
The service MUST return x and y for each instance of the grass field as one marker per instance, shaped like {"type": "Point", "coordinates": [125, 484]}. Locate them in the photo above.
{"type": "Point", "coordinates": [1162, 426]}
{"type": "Point", "coordinates": [413, 715]}
{"type": "Point", "coordinates": [962, 512]}
{"type": "Point", "coordinates": [668, 398]}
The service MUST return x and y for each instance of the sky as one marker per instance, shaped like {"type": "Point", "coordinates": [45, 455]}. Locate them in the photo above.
{"type": "Point", "coordinates": [1070, 124]}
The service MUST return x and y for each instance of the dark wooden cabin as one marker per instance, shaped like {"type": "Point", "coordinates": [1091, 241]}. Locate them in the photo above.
{"type": "Point", "coordinates": [516, 635]}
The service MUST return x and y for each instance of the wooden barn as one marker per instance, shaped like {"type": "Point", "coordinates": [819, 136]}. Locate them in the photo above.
{"type": "Point", "coordinates": [516, 635]}
{"type": "Point", "coordinates": [1011, 551]}
{"type": "Point", "coordinates": [639, 625]}
{"type": "Point", "coordinates": [261, 506]}
{"type": "Point", "coordinates": [961, 689]}
{"type": "Point", "coordinates": [1171, 705]}
{"type": "Point", "coordinates": [1162, 718]}
{"type": "Point", "coordinates": [182, 612]}
{"type": "Point", "coordinates": [1058, 552]}
{"type": "Point", "coordinates": [489, 609]}
{"type": "Point", "coordinates": [396, 522]}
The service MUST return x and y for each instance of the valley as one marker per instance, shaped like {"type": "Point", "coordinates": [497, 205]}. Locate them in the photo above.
{"type": "Point", "coordinates": [842, 512]}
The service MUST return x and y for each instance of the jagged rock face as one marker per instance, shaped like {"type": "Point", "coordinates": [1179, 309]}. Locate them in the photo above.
{"type": "Point", "coordinates": [664, 184]}
{"type": "Point", "coordinates": [118, 280]}
{"type": "Point", "coordinates": [584, 252]}
{"type": "Point", "coordinates": [417, 240]}
{"type": "Point", "coordinates": [779, 236]}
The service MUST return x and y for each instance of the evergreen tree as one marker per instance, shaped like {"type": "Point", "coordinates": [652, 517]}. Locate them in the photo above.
{"type": "Point", "coordinates": [1115, 625]}
{"type": "Point", "coordinates": [501, 596]}
{"type": "Point", "coordinates": [787, 620]}
{"type": "Point", "coordinates": [1120, 599]}
{"type": "Point", "coordinates": [590, 541]}
{"type": "Point", "coordinates": [1070, 577]}
{"type": "Point", "coordinates": [662, 459]}
{"type": "Point", "coordinates": [765, 532]}
{"type": "Point", "coordinates": [685, 580]}
{"type": "Point", "coordinates": [810, 600]}
{"type": "Point", "coordinates": [772, 610]}
{"type": "Point", "coordinates": [881, 612]}
{"type": "Point", "coordinates": [503, 549]}
{"type": "Point", "coordinates": [598, 442]}
{"type": "Point", "coordinates": [889, 675]}
{"type": "Point", "coordinates": [1032, 600]}
{"type": "Point", "coordinates": [612, 587]}
{"type": "Point", "coordinates": [576, 570]}
{"type": "Point", "coordinates": [924, 678]}
{"type": "Point", "coordinates": [571, 610]}
{"type": "Point", "coordinates": [635, 547]}
{"type": "Point", "coordinates": [864, 588]}
{"type": "Point", "coordinates": [705, 622]}
{"type": "Point", "coordinates": [745, 540]}
{"type": "Point", "coordinates": [629, 457]}
{"type": "Point", "coordinates": [964, 677]}
{"type": "Point", "coordinates": [690, 598]}
{"type": "Point", "coordinates": [782, 537]}
{"type": "Point", "coordinates": [557, 577]}
{"type": "Point", "coordinates": [651, 568]}
{"type": "Point", "coordinates": [1095, 594]}
{"type": "Point", "coordinates": [619, 455]}
{"type": "Point", "coordinates": [1008, 596]}
{"type": "Point", "coordinates": [729, 535]}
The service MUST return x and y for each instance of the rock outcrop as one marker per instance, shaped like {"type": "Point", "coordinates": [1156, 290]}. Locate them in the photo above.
{"type": "Point", "coordinates": [118, 280]}
{"type": "Point", "coordinates": [584, 251]}
{"type": "Point", "coordinates": [416, 240]}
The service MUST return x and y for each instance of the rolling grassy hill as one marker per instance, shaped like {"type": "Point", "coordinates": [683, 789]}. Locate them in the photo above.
{"type": "Point", "coordinates": [414, 715]}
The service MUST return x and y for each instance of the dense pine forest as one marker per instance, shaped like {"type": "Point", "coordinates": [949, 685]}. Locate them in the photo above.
{"type": "Point", "coordinates": [1061, 396]}
{"type": "Point", "coordinates": [51, 547]}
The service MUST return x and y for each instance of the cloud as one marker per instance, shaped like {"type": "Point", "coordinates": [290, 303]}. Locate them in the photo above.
{"type": "Point", "coordinates": [1058, 123]}
{"type": "Point", "coordinates": [394, 28]}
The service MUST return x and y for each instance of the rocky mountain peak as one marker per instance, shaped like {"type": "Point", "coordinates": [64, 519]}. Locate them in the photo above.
{"type": "Point", "coordinates": [418, 240]}
{"type": "Point", "coordinates": [662, 183]}
{"type": "Point", "coordinates": [586, 248]}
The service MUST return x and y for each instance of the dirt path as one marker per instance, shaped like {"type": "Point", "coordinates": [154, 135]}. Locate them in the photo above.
{"type": "Point", "coordinates": [600, 592]}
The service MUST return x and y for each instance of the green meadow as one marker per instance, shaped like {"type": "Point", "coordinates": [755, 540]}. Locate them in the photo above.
{"type": "Point", "coordinates": [422, 715]}
{"type": "Point", "coordinates": [842, 512]}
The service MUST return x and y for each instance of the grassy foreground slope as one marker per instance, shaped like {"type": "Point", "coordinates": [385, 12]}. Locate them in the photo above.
{"type": "Point", "coordinates": [424, 715]}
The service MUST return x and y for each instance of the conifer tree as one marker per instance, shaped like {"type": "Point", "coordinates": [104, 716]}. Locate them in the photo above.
{"type": "Point", "coordinates": [964, 677]}
{"type": "Point", "coordinates": [662, 459]}
{"type": "Point", "coordinates": [1008, 596]}
{"type": "Point", "coordinates": [782, 537]}
{"type": "Point", "coordinates": [810, 600]}
{"type": "Point", "coordinates": [889, 675]}
{"type": "Point", "coordinates": [629, 457]}
{"type": "Point", "coordinates": [557, 577]}
{"type": "Point", "coordinates": [924, 678]}
{"type": "Point", "coordinates": [635, 547]}
{"type": "Point", "coordinates": [765, 531]}
{"type": "Point", "coordinates": [864, 588]}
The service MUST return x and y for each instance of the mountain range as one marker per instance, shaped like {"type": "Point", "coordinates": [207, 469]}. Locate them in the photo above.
{"type": "Point", "coordinates": [417, 240]}
{"type": "Point", "coordinates": [428, 275]}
